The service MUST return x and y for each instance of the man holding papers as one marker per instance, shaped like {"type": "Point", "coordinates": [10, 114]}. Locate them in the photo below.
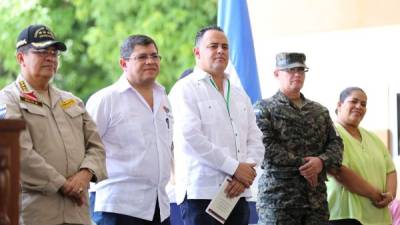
{"type": "Point", "coordinates": [215, 134]}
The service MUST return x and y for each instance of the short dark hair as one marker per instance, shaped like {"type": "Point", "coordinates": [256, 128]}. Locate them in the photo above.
{"type": "Point", "coordinates": [129, 44]}
{"type": "Point", "coordinates": [203, 30]}
{"type": "Point", "coordinates": [347, 92]}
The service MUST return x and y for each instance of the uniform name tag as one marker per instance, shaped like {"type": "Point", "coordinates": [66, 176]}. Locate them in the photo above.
{"type": "Point", "coordinates": [67, 103]}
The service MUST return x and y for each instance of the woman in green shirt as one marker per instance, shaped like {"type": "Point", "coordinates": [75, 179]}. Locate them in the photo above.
{"type": "Point", "coordinates": [360, 191]}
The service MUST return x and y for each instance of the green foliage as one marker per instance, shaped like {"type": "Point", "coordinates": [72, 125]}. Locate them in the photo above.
{"type": "Point", "coordinates": [93, 31]}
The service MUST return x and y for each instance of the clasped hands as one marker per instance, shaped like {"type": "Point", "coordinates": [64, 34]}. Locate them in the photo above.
{"type": "Point", "coordinates": [75, 185]}
{"type": "Point", "coordinates": [245, 174]}
{"type": "Point", "coordinates": [242, 178]}
{"type": "Point", "coordinates": [311, 169]}
{"type": "Point", "coordinates": [381, 200]}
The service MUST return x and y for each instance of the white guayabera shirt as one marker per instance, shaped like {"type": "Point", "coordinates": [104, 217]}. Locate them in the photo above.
{"type": "Point", "coordinates": [212, 134]}
{"type": "Point", "coordinates": [138, 144]}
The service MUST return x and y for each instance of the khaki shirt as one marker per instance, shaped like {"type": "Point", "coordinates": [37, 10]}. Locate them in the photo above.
{"type": "Point", "coordinates": [59, 140]}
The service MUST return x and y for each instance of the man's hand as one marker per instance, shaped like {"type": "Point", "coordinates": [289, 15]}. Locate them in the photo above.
{"type": "Point", "coordinates": [234, 188]}
{"type": "Point", "coordinates": [78, 198]}
{"type": "Point", "coordinates": [77, 183]}
{"type": "Point", "coordinates": [312, 181]}
{"type": "Point", "coordinates": [312, 167]}
{"type": "Point", "coordinates": [245, 173]}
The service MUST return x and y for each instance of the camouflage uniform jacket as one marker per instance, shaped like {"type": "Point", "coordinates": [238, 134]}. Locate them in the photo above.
{"type": "Point", "coordinates": [290, 134]}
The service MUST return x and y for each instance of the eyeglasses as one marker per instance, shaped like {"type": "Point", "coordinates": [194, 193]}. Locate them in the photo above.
{"type": "Point", "coordinates": [300, 70]}
{"type": "Point", "coordinates": [46, 52]}
{"type": "Point", "coordinates": [145, 57]}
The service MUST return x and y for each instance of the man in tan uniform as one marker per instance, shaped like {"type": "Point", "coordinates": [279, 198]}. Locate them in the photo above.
{"type": "Point", "coordinates": [61, 151]}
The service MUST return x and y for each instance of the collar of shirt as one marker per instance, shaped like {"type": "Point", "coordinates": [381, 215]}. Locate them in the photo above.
{"type": "Point", "coordinates": [283, 98]}
{"type": "Point", "coordinates": [124, 85]}
{"type": "Point", "coordinates": [200, 74]}
{"type": "Point", "coordinates": [53, 93]}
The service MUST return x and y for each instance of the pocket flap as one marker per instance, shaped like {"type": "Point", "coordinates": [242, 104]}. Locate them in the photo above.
{"type": "Point", "coordinates": [33, 109]}
{"type": "Point", "coordinates": [208, 111]}
{"type": "Point", "coordinates": [74, 111]}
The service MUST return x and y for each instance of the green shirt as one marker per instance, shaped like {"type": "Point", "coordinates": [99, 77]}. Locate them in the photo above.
{"type": "Point", "coordinates": [371, 160]}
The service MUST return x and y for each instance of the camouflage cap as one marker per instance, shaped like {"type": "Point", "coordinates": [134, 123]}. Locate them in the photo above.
{"type": "Point", "coordinates": [287, 60]}
{"type": "Point", "coordinates": [39, 36]}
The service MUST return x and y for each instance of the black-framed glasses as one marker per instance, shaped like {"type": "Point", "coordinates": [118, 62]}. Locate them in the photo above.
{"type": "Point", "coordinates": [145, 57]}
{"type": "Point", "coordinates": [46, 52]}
{"type": "Point", "coordinates": [293, 70]}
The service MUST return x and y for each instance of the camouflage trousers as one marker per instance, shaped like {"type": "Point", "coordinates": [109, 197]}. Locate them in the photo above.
{"type": "Point", "coordinates": [292, 216]}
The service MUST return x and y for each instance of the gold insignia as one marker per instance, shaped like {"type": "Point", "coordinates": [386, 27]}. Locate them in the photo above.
{"type": "Point", "coordinates": [67, 103]}
{"type": "Point", "coordinates": [25, 99]}
{"type": "Point", "coordinates": [43, 32]}
{"type": "Point", "coordinates": [22, 86]}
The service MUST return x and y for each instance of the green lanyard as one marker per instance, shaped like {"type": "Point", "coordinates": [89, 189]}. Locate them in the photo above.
{"type": "Point", "coordinates": [228, 93]}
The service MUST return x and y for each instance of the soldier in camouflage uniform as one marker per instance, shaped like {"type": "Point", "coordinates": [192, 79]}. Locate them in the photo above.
{"type": "Point", "coordinates": [301, 144]}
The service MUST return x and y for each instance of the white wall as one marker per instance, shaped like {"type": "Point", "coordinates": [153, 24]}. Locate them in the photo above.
{"type": "Point", "coordinates": [346, 44]}
{"type": "Point", "coordinates": [367, 58]}
{"type": "Point", "coordinates": [290, 17]}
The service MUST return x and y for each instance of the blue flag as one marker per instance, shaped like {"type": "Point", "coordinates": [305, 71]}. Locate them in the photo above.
{"type": "Point", "coordinates": [233, 18]}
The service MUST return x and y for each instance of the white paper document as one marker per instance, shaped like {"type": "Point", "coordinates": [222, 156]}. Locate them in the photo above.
{"type": "Point", "coordinates": [221, 206]}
